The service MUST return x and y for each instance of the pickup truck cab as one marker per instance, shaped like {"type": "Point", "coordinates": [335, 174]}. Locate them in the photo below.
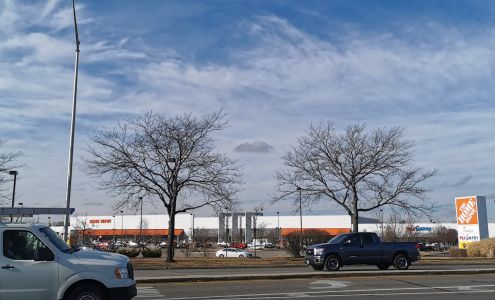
{"type": "Point", "coordinates": [37, 264]}
{"type": "Point", "coordinates": [363, 248]}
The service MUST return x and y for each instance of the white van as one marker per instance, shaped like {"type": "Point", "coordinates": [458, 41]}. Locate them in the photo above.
{"type": "Point", "coordinates": [36, 264]}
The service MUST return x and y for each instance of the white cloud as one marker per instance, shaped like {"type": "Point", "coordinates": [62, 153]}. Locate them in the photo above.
{"type": "Point", "coordinates": [440, 91]}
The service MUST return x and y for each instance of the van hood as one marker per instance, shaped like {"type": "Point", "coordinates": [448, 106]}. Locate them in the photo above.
{"type": "Point", "coordinates": [101, 258]}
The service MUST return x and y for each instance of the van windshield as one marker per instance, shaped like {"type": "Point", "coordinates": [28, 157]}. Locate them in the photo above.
{"type": "Point", "coordinates": [55, 239]}
{"type": "Point", "coordinates": [337, 239]}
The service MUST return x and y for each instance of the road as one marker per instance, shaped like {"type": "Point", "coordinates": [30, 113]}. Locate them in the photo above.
{"type": "Point", "coordinates": [399, 287]}
{"type": "Point", "coordinates": [301, 269]}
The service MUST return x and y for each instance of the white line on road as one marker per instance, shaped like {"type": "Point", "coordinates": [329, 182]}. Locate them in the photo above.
{"type": "Point", "coordinates": [149, 293]}
{"type": "Point", "coordinates": [359, 292]}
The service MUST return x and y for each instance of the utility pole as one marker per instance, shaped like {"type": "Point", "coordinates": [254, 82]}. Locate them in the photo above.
{"type": "Point", "coordinates": [13, 191]}
{"type": "Point", "coordinates": [141, 223]}
{"type": "Point", "coordinates": [72, 129]}
{"type": "Point", "coordinates": [300, 215]}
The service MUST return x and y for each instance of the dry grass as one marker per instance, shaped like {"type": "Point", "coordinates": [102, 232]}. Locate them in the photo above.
{"type": "Point", "coordinates": [213, 262]}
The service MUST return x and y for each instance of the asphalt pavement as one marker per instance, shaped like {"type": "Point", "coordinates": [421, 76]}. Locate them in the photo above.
{"type": "Point", "coordinates": [140, 274]}
{"type": "Point", "coordinates": [401, 287]}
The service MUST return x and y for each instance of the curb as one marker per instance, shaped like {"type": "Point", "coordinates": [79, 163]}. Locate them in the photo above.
{"type": "Point", "coordinates": [316, 274]}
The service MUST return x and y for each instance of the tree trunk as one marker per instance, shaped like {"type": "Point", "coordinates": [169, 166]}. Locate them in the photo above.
{"type": "Point", "coordinates": [355, 212]}
{"type": "Point", "coordinates": [354, 219]}
{"type": "Point", "coordinates": [170, 240]}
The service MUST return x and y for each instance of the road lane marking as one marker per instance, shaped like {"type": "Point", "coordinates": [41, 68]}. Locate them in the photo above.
{"type": "Point", "coordinates": [328, 284]}
{"type": "Point", "coordinates": [359, 292]}
{"type": "Point", "coordinates": [149, 293]}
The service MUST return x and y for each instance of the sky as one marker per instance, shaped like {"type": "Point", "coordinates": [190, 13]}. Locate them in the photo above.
{"type": "Point", "coordinates": [275, 67]}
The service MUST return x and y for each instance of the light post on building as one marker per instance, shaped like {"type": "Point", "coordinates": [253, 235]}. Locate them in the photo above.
{"type": "Point", "coordinates": [381, 220]}
{"type": "Point", "coordinates": [113, 228]}
{"type": "Point", "coordinates": [300, 215]}
{"type": "Point", "coordinates": [122, 226]}
{"type": "Point", "coordinates": [14, 173]}
{"type": "Point", "coordinates": [22, 206]}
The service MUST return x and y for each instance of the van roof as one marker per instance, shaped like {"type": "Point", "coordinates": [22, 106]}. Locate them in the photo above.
{"type": "Point", "coordinates": [22, 225]}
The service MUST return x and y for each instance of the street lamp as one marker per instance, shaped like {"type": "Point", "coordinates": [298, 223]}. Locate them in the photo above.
{"type": "Point", "coordinates": [122, 228]}
{"type": "Point", "coordinates": [300, 214]}
{"type": "Point", "coordinates": [141, 222]}
{"type": "Point", "coordinates": [381, 221]}
{"type": "Point", "coordinates": [113, 228]}
{"type": "Point", "coordinates": [22, 206]}
{"type": "Point", "coordinates": [278, 228]}
{"type": "Point", "coordinates": [14, 173]}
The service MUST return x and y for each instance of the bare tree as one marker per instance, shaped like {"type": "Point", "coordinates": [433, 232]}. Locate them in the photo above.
{"type": "Point", "coordinates": [357, 170]}
{"type": "Point", "coordinates": [170, 159]}
{"type": "Point", "coordinates": [7, 163]}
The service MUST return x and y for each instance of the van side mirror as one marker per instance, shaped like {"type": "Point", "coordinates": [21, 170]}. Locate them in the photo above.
{"type": "Point", "coordinates": [43, 254]}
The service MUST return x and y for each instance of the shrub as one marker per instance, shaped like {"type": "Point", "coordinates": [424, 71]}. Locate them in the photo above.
{"type": "Point", "coordinates": [487, 248]}
{"type": "Point", "coordinates": [129, 253]}
{"type": "Point", "coordinates": [152, 253]}
{"type": "Point", "coordinates": [474, 249]}
{"type": "Point", "coordinates": [456, 252]}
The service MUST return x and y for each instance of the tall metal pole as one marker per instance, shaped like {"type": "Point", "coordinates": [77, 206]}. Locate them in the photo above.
{"type": "Point", "coordinates": [122, 227]}
{"type": "Point", "coordinates": [113, 229]}
{"type": "Point", "coordinates": [300, 214]}
{"type": "Point", "coordinates": [141, 223]}
{"type": "Point", "coordinates": [13, 191]}
{"type": "Point", "coordinates": [381, 221]}
{"type": "Point", "coordinates": [72, 128]}
{"type": "Point", "coordinates": [278, 228]}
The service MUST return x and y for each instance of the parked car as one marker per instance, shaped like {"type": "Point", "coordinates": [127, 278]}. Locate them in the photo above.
{"type": "Point", "coordinates": [238, 245]}
{"type": "Point", "coordinates": [233, 252]}
{"type": "Point", "coordinates": [38, 264]}
{"type": "Point", "coordinates": [253, 246]}
{"type": "Point", "coordinates": [363, 248]}
{"type": "Point", "coordinates": [163, 244]}
{"type": "Point", "coordinates": [223, 244]}
{"type": "Point", "coordinates": [268, 245]}
{"type": "Point", "coordinates": [132, 244]}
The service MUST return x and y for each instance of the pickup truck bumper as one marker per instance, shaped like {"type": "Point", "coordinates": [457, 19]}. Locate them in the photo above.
{"type": "Point", "coordinates": [123, 293]}
{"type": "Point", "coordinates": [313, 260]}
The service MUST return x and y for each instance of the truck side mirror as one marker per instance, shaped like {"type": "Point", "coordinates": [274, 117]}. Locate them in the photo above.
{"type": "Point", "coordinates": [43, 254]}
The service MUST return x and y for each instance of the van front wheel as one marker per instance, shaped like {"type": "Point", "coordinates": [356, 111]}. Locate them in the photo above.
{"type": "Point", "coordinates": [87, 291]}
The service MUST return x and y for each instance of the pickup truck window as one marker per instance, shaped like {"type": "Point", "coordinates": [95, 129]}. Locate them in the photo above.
{"type": "Point", "coordinates": [368, 238]}
{"type": "Point", "coordinates": [337, 239]}
{"type": "Point", "coordinates": [55, 239]}
{"type": "Point", "coordinates": [20, 244]}
{"type": "Point", "coordinates": [353, 239]}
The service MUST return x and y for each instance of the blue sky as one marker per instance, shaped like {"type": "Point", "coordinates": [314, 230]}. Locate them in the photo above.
{"type": "Point", "coordinates": [273, 66]}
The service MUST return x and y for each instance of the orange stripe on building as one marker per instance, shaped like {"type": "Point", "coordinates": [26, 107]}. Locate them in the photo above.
{"type": "Point", "coordinates": [331, 231]}
{"type": "Point", "coordinates": [108, 232]}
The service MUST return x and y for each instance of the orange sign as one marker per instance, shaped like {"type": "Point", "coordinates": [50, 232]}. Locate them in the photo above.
{"type": "Point", "coordinates": [467, 211]}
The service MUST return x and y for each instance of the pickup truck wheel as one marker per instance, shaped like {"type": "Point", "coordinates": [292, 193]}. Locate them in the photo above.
{"type": "Point", "coordinates": [87, 291]}
{"type": "Point", "coordinates": [332, 263]}
{"type": "Point", "coordinates": [221, 255]}
{"type": "Point", "coordinates": [318, 267]}
{"type": "Point", "coordinates": [401, 262]}
{"type": "Point", "coordinates": [383, 266]}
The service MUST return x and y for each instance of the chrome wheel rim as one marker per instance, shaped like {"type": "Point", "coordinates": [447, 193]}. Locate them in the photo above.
{"type": "Point", "coordinates": [333, 263]}
{"type": "Point", "coordinates": [88, 296]}
{"type": "Point", "coordinates": [402, 262]}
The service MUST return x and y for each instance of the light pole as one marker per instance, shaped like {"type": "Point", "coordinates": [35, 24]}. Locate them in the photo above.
{"type": "Point", "coordinates": [122, 226]}
{"type": "Point", "coordinates": [300, 215]}
{"type": "Point", "coordinates": [113, 228]}
{"type": "Point", "coordinates": [72, 129]}
{"type": "Point", "coordinates": [278, 228]}
{"type": "Point", "coordinates": [14, 173]}
{"type": "Point", "coordinates": [381, 221]}
{"type": "Point", "coordinates": [22, 206]}
{"type": "Point", "coordinates": [141, 222]}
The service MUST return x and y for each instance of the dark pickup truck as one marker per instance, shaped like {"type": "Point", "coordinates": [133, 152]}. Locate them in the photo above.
{"type": "Point", "coordinates": [364, 248]}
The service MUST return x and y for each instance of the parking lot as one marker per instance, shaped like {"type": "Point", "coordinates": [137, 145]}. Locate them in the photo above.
{"type": "Point", "coordinates": [396, 287]}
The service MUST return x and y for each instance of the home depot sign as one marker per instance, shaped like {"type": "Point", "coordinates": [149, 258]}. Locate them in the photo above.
{"type": "Point", "coordinates": [472, 222]}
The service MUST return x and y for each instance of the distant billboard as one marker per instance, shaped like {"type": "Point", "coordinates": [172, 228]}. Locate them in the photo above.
{"type": "Point", "coordinates": [472, 221]}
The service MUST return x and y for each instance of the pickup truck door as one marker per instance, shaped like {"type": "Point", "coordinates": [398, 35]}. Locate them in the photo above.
{"type": "Point", "coordinates": [21, 277]}
{"type": "Point", "coordinates": [372, 249]}
{"type": "Point", "coordinates": [351, 249]}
